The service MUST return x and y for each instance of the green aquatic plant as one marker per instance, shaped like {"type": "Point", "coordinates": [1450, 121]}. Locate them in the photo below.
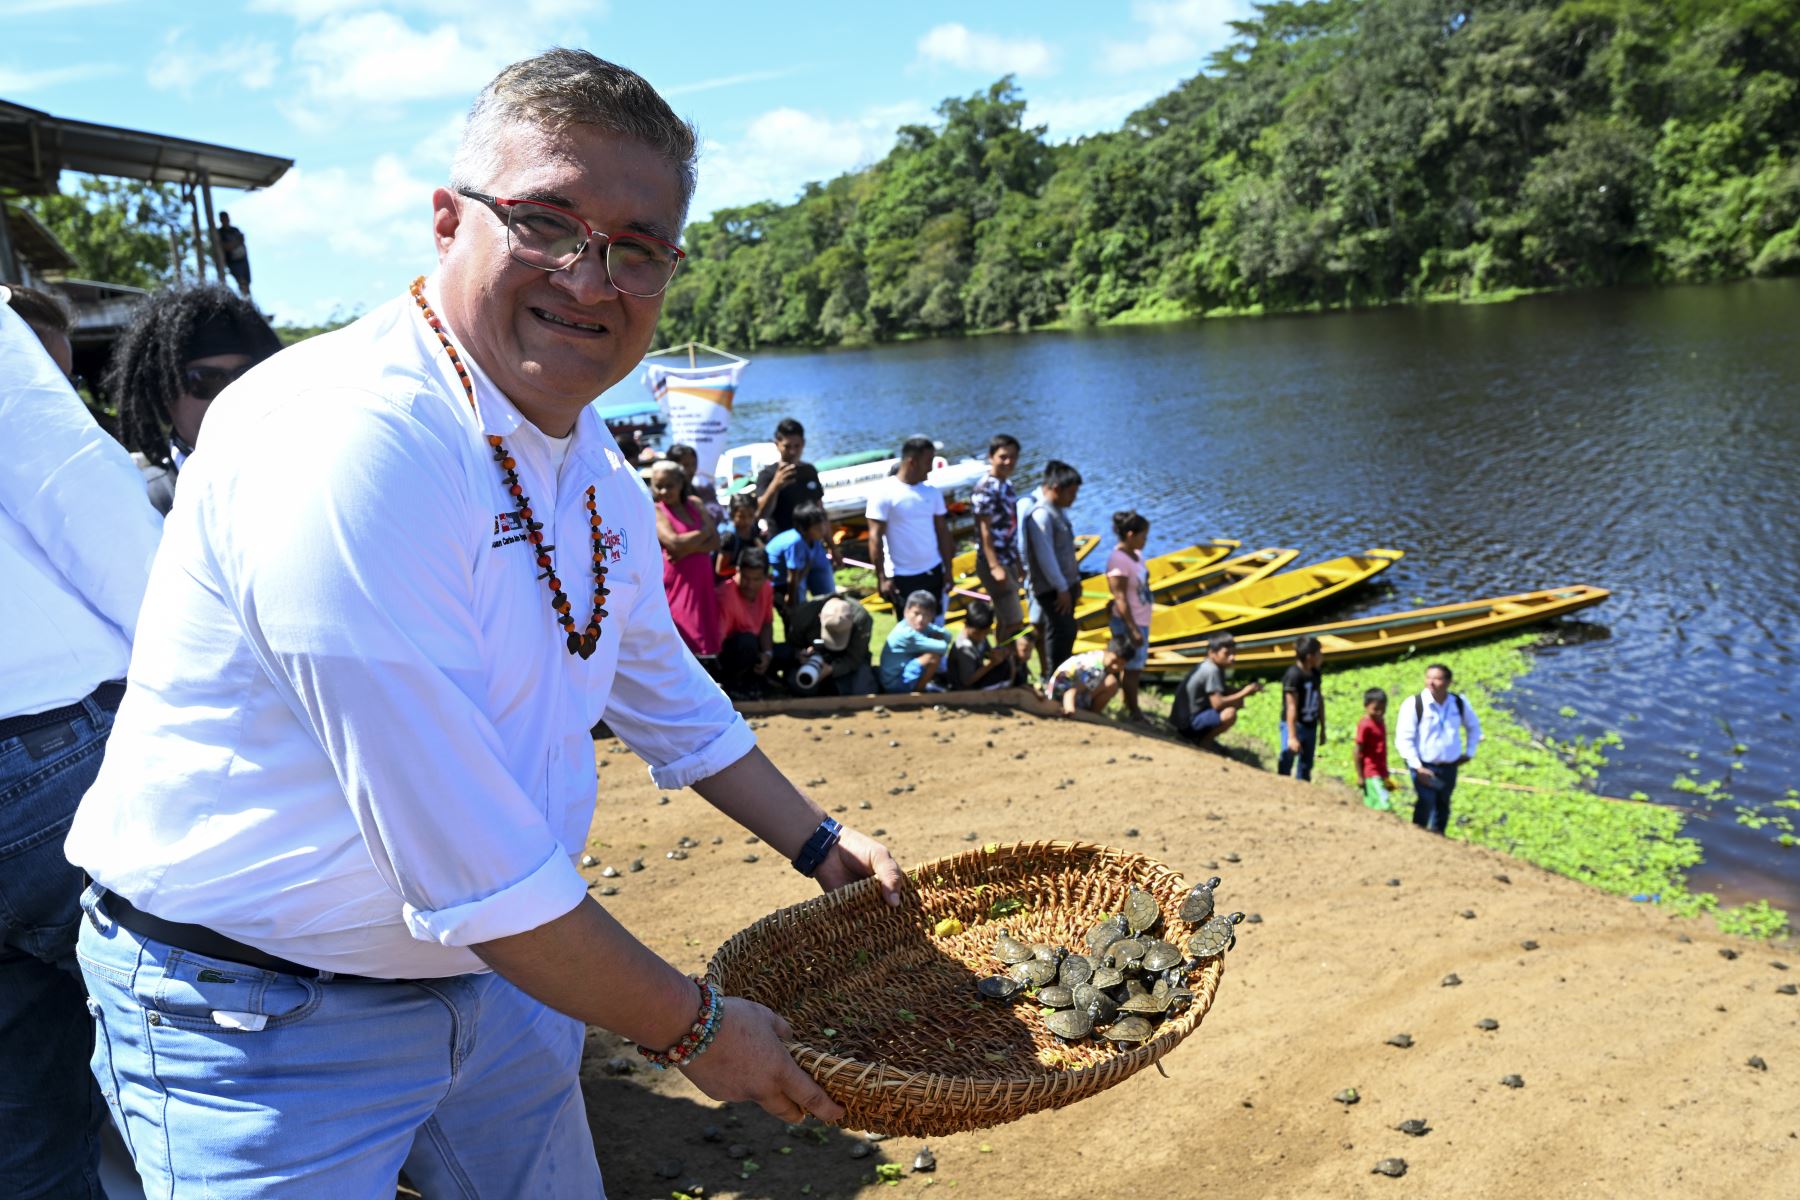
{"type": "Point", "coordinates": [1529, 795]}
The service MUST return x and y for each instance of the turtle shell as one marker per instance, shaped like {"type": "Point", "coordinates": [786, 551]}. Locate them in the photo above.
{"type": "Point", "coordinates": [1032, 971]}
{"type": "Point", "coordinates": [1107, 977]}
{"type": "Point", "coordinates": [1197, 908]}
{"type": "Point", "coordinates": [1125, 950]}
{"type": "Point", "coordinates": [998, 987]}
{"type": "Point", "coordinates": [1160, 956]}
{"type": "Point", "coordinates": [1055, 996]}
{"type": "Point", "coordinates": [1106, 932]}
{"type": "Point", "coordinates": [1077, 968]}
{"type": "Point", "coordinates": [1216, 936]}
{"type": "Point", "coordinates": [1140, 910]}
{"type": "Point", "coordinates": [1009, 949]}
{"type": "Point", "coordinates": [1045, 952]}
{"type": "Point", "coordinates": [1129, 1029]}
{"type": "Point", "coordinates": [1070, 1023]}
{"type": "Point", "coordinates": [1089, 997]}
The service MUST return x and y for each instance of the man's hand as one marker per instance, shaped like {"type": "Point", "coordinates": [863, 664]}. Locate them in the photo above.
{"type": "Point", "coordinates": [998, 653]}
{"type": "Point", "coordinates": [747, 1061]}
{"type": "Point", "coordinates": [1293, 742]}
{"type": "Point", "coordinates": [784, 475]}
{"type": "Point", "coordinates": [762, 662]}
{"type": "Point", "coordinates": [889, 588]}
{"type": "Point", "coordinates": [858, 856]}
{"type": "Point", "coordinates": [1064, 601]}
{"type": "Point", "coordinates": [1426, 772]}
{"type": "Point", "coordinates": [997, 572]}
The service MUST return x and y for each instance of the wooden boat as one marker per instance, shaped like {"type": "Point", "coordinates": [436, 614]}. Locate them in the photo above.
{"type": "Point", "coordinates": [1162, 567]}
{"type": "Point", "coordinates": [966, 584]}
{"type": "Point", "coordinates": [1258, 602]}
{"type": "Point", "coordinates": [1391, 633]}
{"type": "Point", "coordinates": [1182, 587]}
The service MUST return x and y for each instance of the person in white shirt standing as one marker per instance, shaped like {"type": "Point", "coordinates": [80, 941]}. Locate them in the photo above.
{"type": "Point", "coordinates": [1438, 732]}
{"type": "Point", "coordinates": [77, 535]}
{"type": "Point", "coordinates": [909, 529]}
{"type": "Point", "coordinates": [336, 927]}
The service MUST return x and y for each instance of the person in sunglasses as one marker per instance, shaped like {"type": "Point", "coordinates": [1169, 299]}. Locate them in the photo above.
{"type": "Point", "coordinates": [184, 347]}
{"type": "Point", "coordinates": [338, 927]}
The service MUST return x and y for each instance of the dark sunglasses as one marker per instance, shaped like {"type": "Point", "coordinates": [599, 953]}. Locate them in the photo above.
{"type": "Point", "coordinates": [205, 383]}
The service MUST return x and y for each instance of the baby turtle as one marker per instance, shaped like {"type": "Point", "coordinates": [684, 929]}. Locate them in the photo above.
{"type": "Point", "coordinates": [1402, 1040]}
{"type": "Point", "coordinates": [1216, 936]}
{"type": "Point", "coordinates": [1125, 951]}
{"type": "Point", "coordinates": [1128, 1029]}
{"type": "Point", "coordinates": [1075, 969]}
{"type": "Point", "coordinates": [1197, 908]}
{"type": "Point", "coordinates": [1045, 952]}
{"type": "Point", "coordinates": [1393, 1168]}
{"type": "Point", "coordinates": [1107, 977]}
{"type": "Point", "coordinates": [1487, 1024]}
{"type": "Point", "coordinates": [1512, 1081]}
{"type": "Point", "coordinates": [1147, 1002]}
{"type": "Point", "coordinates": [1414, 1127]}
{"type": "Point", "coordinates": [998, 987]}
{"type": "Point", "coordinates": [1033, 971]}
{"type": "Point", "coordinates": [1104, 1006]}
{"type": "Point", "coordinates": [1106, 932]}
{"type": "Point", "coordinates": [1056, 996]}
{"type": "Point", "coordinates": [1010, 950]}
{"type": "Point", "coordinates": [1071, 1024]}
{"type": "Point", "coordinates": [1141, 911]}
{"type": "Point", "coordinates": [1160, 956]}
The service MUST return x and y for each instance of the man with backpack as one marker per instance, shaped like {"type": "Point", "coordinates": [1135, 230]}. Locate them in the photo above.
{"type": "Point", "coordinates": [1438, 733]}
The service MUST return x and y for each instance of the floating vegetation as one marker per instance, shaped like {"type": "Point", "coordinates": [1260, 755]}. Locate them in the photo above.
{"type": "Point", "coordinates": [1528, 795]}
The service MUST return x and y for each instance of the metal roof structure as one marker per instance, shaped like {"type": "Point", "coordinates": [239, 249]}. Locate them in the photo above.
{"type": "Point", "coordinates": [36, 147]}
{"type": "Point", "coordinates": [35, 244]}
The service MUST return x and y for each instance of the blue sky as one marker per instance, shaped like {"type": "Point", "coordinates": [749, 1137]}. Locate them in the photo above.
{"type": "Point", "coordinates": [367, 98]}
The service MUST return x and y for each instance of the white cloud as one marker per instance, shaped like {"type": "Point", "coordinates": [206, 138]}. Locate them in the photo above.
{"type": "Point", "coordinates": [19, 81]}
{"type": "Point", "coordinates": [250, 63]}
{"type": "Point", "coordinates": [30, 8]}
{"type": "Point", "coordinates": [1180, 33]}
{"type": "Point", "coordinates": [957, 45]}
{"type": "Point", "coordinates": [724, 81]}
{"type": "Point", "coordinates": [376, 58]}
{"type": "Point", "coordinates": [782, 150]}
{"type": "Point", "coordinates": [378, 213]}
{"type": "Point", "coordinates": [1077, 116]}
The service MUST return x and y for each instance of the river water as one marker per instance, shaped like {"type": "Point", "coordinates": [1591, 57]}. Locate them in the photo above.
{"type": "Point", "coordinates": [1646, 441]}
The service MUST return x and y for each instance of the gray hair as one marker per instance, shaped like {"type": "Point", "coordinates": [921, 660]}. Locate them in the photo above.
{"type": "Point", "coordinates": [563, 87]}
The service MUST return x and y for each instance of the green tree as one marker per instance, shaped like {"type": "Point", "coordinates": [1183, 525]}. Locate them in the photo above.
{"type": "Point", "coordinates": [120, 230]}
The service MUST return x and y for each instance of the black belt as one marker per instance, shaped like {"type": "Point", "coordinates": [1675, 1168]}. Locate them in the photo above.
{"type": "Point", "coordinates": [1441, 766]}
{"type": "Point", "coordinates": [198, 939]}
{"type": "Point", "coordinates": [107, 696]}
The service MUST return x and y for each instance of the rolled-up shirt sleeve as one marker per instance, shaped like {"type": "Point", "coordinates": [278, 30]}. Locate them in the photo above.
{"type": "Point", "coordinates": [353, 577]}
{"type": "Point", "coordinates": [663, 704]}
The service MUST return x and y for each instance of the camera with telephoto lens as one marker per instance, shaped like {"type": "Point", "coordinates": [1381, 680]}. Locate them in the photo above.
{"type": "Point", "coordinates": [811, 668]}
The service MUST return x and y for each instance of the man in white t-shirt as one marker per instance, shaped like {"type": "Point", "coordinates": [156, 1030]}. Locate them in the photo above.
{"type": "Point", "coordinates": [909, 531]}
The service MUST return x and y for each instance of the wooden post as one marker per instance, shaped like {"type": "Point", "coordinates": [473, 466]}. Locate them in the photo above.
{"type": "Point", "coordinates": [691, 359]}
{"type": "Point", "coordinates": [212, 227]}
{"type": "Point", "coordinates": [199, 240]}
{"type": "Point", "coordinates": [175, 254]}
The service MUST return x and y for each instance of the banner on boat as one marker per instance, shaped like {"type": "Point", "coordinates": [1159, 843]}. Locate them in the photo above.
{"type": "Point", "coordinates": [697, 402]}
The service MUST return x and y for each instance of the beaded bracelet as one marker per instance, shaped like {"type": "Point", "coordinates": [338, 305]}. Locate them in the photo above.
{"type": "Point", "coordinates": [699, 1035]}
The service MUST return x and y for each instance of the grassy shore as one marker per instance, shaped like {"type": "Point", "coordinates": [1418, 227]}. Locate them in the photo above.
{"type": "Point", "coordinates": [1525, 795]}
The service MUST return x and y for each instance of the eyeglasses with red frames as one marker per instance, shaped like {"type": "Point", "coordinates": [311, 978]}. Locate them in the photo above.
{"type": "Point", "coordinates": [550, 238]}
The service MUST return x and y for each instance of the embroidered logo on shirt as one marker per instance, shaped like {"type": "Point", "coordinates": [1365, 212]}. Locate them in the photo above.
{"type": "Point", "coordinates": [615, 544]}
{"type": "Point", "coordinates": [509, 527]}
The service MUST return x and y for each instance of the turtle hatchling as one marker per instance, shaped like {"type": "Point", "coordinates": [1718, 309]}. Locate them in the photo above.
{"type": "Point", "coordinates": [1160, 956]}
{"type": "Point", "coordinates": [1071, 1024]}
{"type": "Point", "coordinates": [1009, 950]}
{"type": "Point", "coordinates": [998, 987]}
{"type": "Point", "coordinates": [1393, 1168]}
{"type": "Point", "coordinates": [1128, 1029]}
{"type": "Point", "coordinates": [1414, 1127]}
{"type": "Point", "coordinates": [1056, 996]}
{"type": "Point", "coordinates": [1197, 907]}
{"type": "Point", "coordinates": [1075, 969]}
{"type": "Point", "coordinates": [1216, 936]}
{"type": "Point", "coordinates": [1140, 910]}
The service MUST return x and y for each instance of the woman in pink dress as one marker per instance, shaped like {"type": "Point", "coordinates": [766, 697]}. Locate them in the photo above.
{"type": "Point", "coordinates": [689, 541]}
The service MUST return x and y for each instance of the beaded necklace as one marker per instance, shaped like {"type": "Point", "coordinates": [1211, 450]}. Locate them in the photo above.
{"type": "Point", "coordinates": [580, 642]}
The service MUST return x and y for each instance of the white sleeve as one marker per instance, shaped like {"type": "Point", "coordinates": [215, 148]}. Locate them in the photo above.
{"type": "Point", "coordinates": [1406, 733]}
{"type": "Point", "coordinates": [937, 503]}
{"type": "Point", "coordinates": [663, 704]}
{"type": "Point", "coordinates": [352, 575]}
{"type": "Point", "coordinates": [881, 500]}
{"type": "Point", "coordinates": [73, 488]}
{"type": "Point", "coordinates": [1471, 729]}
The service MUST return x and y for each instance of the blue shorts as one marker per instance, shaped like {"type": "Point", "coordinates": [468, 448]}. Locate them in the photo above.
{"type": "Point", "coordinates": [1121, 631]}
{"type": "Point", "coordinates": [1207, 718]}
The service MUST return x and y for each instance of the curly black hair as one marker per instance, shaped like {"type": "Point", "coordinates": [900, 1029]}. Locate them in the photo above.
{"type": "Point", "coordinates": [144, 377]}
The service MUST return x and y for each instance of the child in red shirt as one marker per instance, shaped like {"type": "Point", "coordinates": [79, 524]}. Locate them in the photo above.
{"type": "Point", "coordinates": [1371, 751]}
{"type": "Point", "coordinates": [746, 630]}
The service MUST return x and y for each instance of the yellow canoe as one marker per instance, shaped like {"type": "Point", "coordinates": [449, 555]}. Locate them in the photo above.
{"type": "Point", "coordinates": [1392, 633]}
{"type": "Point", "coordinates": [1185, 586]}
{"type": "Point", "coordinates": [1162, 568]}
{"type": "Point", "coordinates": [964, 579]}
{"type": "Point", "coordinates": [1258, 602]}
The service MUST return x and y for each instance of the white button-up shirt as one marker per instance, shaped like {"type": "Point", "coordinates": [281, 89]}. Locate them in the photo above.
{"type": "Point", "coordinates": [354, 736]}
{"type": "Point", "coordinates": [1439, 733]}
{"type": "Point", "coordinates": [77, 534]}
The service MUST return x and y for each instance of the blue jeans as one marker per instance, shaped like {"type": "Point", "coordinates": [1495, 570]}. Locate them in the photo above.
{"type": "Point", "coordinates": [230, 1081]}
{"type": "Point", "coordinates": [1431, 810]}
{"type": "Point", "coordinates": [1301, 764]}
{"type": "Point", "coordinates": [50, 1111]}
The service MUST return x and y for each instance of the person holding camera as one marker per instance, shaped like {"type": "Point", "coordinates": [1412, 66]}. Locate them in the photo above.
{"type": "Point", "coordinates": [829, 638]}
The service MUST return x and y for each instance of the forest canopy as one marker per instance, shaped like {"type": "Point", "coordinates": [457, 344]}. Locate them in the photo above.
{"type": "Point", "coordinates": [1339, 152]}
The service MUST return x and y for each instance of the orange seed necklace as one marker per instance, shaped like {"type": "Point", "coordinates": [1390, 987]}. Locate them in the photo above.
{"type": "Point", "coordinates": [580, 641]}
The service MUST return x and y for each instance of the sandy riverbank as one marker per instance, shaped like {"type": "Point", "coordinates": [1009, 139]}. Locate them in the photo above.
{"type": "Point", "coordinates": [1632, 1042]}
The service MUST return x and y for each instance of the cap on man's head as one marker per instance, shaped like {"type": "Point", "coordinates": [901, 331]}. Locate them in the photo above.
{"type": "Point", "coordinates": [836, 620]}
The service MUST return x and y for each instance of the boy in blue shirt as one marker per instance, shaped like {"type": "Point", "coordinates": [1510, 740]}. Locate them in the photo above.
{"type": "Point", "coordinates": [800, 559]}
{"type": "Point", "coordinates": [915, 647]}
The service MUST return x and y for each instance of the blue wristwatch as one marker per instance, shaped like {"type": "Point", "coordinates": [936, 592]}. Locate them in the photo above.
{"type": "Point", "coordinates": [812, 855]}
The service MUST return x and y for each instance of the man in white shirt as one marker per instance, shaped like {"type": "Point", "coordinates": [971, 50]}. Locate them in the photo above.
{"type": "Point", "coordinates": [336, 927]}
{"type": "Point", "coordinates": [76, 538]}
{"type": "Point", "coordinates": [909, 528]}
{"type": "Point", "coordinates": [1438, 732]}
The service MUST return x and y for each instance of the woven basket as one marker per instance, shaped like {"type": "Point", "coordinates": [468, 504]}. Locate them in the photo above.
{"type": "Point", "coordinates": [886, 1016]}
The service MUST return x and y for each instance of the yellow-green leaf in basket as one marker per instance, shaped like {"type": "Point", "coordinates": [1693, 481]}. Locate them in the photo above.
{"type": "Point", "coordinates": [948, 927]}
